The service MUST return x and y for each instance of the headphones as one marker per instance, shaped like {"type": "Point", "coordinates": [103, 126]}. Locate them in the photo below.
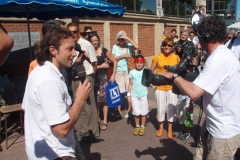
{"type": "Point", "coordinates": [201, 33]}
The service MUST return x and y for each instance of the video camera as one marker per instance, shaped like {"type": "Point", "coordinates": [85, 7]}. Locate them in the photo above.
{"type": "Point", "coordinates": [181, 69]}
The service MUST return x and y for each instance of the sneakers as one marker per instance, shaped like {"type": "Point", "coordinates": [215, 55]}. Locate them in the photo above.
{"type": "Point", "coordinates": [183, 135]}
{"type": "Point", "coordinates": [127, 115]}
{"type": "Point", "coordinates": [136, 131]}
{"type": "Point", "coordinates": [141, 131]}
{"type": "Point", "coordinates": [180, 135]}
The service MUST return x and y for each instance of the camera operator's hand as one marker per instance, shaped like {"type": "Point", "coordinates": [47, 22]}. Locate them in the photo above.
{"type": "Point", "coordinates": [167, 75]}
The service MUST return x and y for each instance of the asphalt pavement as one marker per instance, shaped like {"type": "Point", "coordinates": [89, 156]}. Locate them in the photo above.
{"type": "Point", "coordinates": [119, 143]}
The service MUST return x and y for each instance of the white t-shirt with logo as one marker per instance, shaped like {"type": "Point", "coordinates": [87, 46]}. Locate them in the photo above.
{"type": "Point", "coordinates": [220, 79]}
{"type": "Point", "coordinates": [46, 102]}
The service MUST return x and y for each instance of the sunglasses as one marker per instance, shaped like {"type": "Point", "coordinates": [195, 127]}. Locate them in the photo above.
{"type": "Point", "coordinates": [169, 45]}
{"type": "Point", "coordinates": [92, 34]}
{"type": "Point", "coordinates": [120, 39]}
{"type": "Point", "coordinates": [74, 32]}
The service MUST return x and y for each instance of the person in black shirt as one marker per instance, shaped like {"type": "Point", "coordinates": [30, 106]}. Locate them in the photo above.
{"type": "Point", "coordinates": [101, 78]}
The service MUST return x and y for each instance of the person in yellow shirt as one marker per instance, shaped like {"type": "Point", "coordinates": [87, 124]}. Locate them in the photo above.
{"type": "Point", "coordinates": [165, 35]}
{"type": "Point", "coordinates": [34, 63]}
{"type": "Point", "coordinates": [166, 99]}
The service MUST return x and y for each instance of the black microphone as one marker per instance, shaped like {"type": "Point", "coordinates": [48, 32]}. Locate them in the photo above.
{"type": "Point", "coordinates": [79, 49]}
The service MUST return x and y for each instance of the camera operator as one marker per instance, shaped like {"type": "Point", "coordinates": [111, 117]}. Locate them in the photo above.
{"type": "Point", "coordinates": [166, 99]}
{"type": "Point", "coordinates": [219, 85]}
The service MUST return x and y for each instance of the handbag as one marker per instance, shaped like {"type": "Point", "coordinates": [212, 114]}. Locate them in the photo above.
{"type": "Point", "coordinates": [109, 71]}
{"type": "Point", "coordinates": [114, 97]}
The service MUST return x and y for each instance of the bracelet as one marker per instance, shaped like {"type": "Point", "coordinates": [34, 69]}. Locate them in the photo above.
{"type": "Point", "coordinates": [128, 94]}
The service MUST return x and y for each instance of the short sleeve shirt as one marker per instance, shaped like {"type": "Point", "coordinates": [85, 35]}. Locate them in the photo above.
{"type": "Point", "coordinates": [138, 90]}
{"type": "Point", "coordinates": [220, 81]}
{"type": "Point", "coordinates": [161, 60]}
{"type": "Point", "coordinates": [46, 103]}
{"type": "Point", "coordinates": [122, 63]}
{"type": "Point", "coordinates": [88, 47]}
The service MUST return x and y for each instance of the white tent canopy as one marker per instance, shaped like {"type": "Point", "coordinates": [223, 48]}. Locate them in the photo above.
{"type": "Point", "coordinates": [235, 25]}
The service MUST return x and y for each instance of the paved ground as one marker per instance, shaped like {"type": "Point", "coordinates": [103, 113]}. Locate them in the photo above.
{"type": "Point", "coordinates": [119, 143]}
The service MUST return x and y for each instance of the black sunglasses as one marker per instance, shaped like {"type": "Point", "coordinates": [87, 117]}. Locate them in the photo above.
{"type": "Point", "coordinates": [74, 32]}
{"type": "Point", "coordinates": [91, 34]}
{"type": "Point", "coordinates": [169, 45]}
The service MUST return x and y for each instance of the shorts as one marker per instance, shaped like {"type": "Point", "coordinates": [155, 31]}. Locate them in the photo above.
{"type": "Point", "coordinates": [139, 105]}
{"type": "Point", "coordinates": [122, 80]}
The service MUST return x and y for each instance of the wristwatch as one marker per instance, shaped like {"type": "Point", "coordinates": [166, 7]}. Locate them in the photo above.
{"type": "Point", "coordinates": [174, 76]}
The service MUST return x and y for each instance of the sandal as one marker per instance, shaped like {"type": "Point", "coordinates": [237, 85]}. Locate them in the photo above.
{"type": "Point", "coordinates": [170, 135]}
{"type": "Point", "coordinates": [104, 126]}
{"type": "Point", "coordinates": [159, 133]}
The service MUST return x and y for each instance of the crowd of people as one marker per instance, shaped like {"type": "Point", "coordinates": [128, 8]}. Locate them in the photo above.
{"type": "Point", "coordinates": [73, 89]}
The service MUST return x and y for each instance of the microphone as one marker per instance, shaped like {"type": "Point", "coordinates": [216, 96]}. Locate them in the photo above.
{"type": "Point", "coordinates": [79, 49]}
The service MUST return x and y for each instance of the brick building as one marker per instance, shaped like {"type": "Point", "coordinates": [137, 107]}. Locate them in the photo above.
{"type": "Point", "coordinates": [145, 29]}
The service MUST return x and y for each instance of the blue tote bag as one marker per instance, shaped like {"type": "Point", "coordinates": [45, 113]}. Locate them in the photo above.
{"type": "Point", "coordinates": [114, 97]}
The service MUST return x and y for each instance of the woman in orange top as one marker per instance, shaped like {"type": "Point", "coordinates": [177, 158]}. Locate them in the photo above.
{"type": "Point", "coordinates": [34, 63]}
{"type": "Point", "coordinates": [166, 100]}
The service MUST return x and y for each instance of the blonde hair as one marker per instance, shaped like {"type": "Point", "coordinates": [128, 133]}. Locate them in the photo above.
{"type": "Point", "coordinates": [121, 33]}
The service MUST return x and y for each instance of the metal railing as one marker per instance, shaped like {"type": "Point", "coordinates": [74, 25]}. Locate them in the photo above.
{"type": "Point", "coordinates": [170, 8]}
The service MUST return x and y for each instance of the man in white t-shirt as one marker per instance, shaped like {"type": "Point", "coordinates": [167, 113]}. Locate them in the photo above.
{"type": "Point", "coordinates": [49, 116]}
{"type": "Point", "coordinates": [89, 118]}
{"type": "Point", "coordinates": [219, 84]}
